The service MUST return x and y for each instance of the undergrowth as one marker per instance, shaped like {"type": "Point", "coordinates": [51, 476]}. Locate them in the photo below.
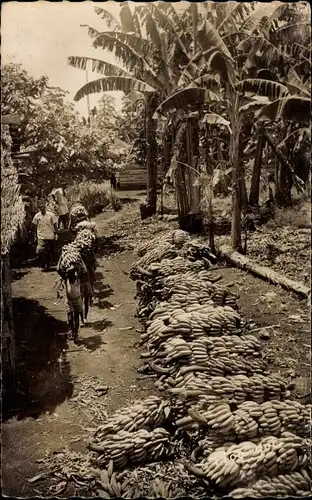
{"type": "Point", "coordinates": [93, 196]}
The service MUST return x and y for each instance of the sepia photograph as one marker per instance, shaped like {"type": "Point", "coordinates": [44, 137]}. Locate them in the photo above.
{"type": "Point", "coordinates": [156, 249]}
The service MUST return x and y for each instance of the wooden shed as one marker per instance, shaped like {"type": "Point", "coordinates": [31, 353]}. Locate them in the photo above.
{"type": "Point", "coordinates": [12, 219]}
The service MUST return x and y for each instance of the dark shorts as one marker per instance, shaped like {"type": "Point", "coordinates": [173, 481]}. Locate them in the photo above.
{"type": "Point", "coordinates": [45, 249]}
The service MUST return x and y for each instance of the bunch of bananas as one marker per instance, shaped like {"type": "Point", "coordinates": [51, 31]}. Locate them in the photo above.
{"type": "Point", "coordinates": [78, 209]}
{"type": "Point", "coordinates": [176, 238]}
{"type": "Point", "coordinates": [146, 414]}
{"type": "Point", "coordinates": [168, 267]}
{"type": "Point", "coordinates": [184, 290]}
{"type": "Point", "coordinates": [251, 419]}
{"type": "Point", "coordinates": [234, 389]}
{"type": "Point", "coordinates": [86, 224]}
{"type": "Point", "coordinates": [283, 485]}
{"type": "Point", "coordinates": [194, 250]}
{"type": "Point", "coordinates": [164, 251]}
{"type": "Point", "coordinates": [85, 238]}
{"type": "Point", "coordinates": [239, 464]}
{"type": "Point", "coordinates": [70, 256]}
{"type": "Point", "coordinates": [194, 321]}
{"type": "Point", "coordinates": [133, 448]}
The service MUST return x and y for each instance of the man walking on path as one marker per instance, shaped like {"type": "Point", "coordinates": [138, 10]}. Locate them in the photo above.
{"type": "Point", "coordinates": [45, 223]}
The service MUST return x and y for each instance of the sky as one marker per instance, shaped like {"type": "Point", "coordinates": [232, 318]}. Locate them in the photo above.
{"type": "Point", "coordinates": [41, 35]}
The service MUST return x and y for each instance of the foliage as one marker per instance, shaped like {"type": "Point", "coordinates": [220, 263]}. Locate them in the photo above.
{"type": "Point", "coordinates": [12, 206]}
{"type": "Point", "coordinates": [93, 196]}
{"type": "Point", "coordinates": [62, 147]}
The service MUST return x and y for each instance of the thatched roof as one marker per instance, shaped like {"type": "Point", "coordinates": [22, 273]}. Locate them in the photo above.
{"type": "Point", "coordinates": [12, 206]}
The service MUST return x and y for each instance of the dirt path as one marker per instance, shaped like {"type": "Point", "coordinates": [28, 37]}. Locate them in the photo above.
{"type": "Point", "coordinates": [60, 378]}
{"type": "Point", "coordinates": [57, 373]}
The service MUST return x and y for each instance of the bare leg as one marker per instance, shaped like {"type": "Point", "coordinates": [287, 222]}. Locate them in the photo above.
{"type": "Point", "coordinates": [70, 317]}
{"type": "Point", "coordinates": [76, 325]}
{"type": "Point", "coordinates": [86, 307]}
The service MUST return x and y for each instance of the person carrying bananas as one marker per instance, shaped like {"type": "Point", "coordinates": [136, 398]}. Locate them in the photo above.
{"type": "Point", "coordinates": [71, 280]}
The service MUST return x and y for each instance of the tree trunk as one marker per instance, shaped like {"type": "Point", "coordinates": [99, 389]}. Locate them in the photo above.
{"type": "Point", "coordinates": [209, 170]}
{"type": "Point", "coordinates": [236, 238]}
{"type": "Point", "coordinates": [263, 272]}
{"type": "Point", "coordinates": [151, 163]}
{"type": "Point", "coordinates": [243, 190]}
{"type": "Point", "coordinates": [286, 164]}
{"type": "Point", "coordinates": [182, 198]}
{"type": "Point", "coordinates": [255, 179]}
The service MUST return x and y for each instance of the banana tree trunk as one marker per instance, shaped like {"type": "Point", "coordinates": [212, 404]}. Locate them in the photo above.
{"type": "Point", "coordinates": [182, 198]}
{"type": "Point", "coordinates": [236, 237]}
{"type": "Point", "coordinates": [151, 163]}
{"type": "Point", "coordinates": [243, 190]}
{"type": "Point", "coordinates": [255, 179]}
{"type": "Point", "coordinates": [209, 170]}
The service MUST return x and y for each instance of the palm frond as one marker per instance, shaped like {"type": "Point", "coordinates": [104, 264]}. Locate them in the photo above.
{"type": "Point", "coordinates": [263, 48]}
{"type": "Point", "coordinates": [273, 90]}
{"type": "Point", "coordinates": [301, 31]}
{"type": "Point", "coordinates": [140, 45]}
{"type": "Point", "coordinates": [267, 74]}
{"type": "Point", "coordinates": [170, 10]}
{"type": "Point", "coordinates": [92, 32]}
{"type": "Point", "coordinates": [137, 23]}
{"type": "Point", "coordinates": [126, 19]}
{"type": "Point", "coordinates": [151, 28]}
{"type": "Point", "coordinates": [252, 23]}
{"type": "Point", "coordinates": [113, 83]}
{"type": "Point", "coordinates": [111, 21]}
{"type": "Point", "coordinates": [207, 81]}
{"type": "Point", "coordinates": [96, 66]}
{"type": "Point", "coordinates": [236, 17]}
{"type": "Point", "coordinates": [209, 37]}
{"type": "Point", "coordinates": [215, 119]}
{"type": "Point", "coordinates": [232, 40]}
{"type": "Point", "coordinates": [132, 60]}
{"type": "Point", "coordinates": [186, 97]}
{"type": "Point", "coordinates": [192, 69]}
{"type": "Point", "coordinates": [295, 84]}
{"type": "Point", "coordinates": [294, 50]}
{"type": "Point", "coordinates": [254, 105]}
{"type": "Point", "coordinates": [290, 108]}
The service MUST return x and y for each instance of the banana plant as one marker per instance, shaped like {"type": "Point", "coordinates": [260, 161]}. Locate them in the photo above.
{"type": "Point", "coordinates": [214, 57]}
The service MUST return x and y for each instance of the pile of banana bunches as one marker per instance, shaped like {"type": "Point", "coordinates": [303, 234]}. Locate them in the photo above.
{"type": "Point", "coordinates": [75, 253]}
{"type": "Point", "coordinates": [249, 437]}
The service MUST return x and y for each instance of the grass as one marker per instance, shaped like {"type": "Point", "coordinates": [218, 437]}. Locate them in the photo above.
{"type": "Point", "coordinates": [93, 196]}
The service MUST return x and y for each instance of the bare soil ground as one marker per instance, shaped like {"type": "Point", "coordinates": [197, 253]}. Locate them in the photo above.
{"type": "Point", "coordinates": [59, 404]}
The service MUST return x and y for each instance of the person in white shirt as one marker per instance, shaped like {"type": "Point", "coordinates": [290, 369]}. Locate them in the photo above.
{"type": "Point", "coordinates": [45, 223]}
{"type": "Point", "coordinates": [61, 207]}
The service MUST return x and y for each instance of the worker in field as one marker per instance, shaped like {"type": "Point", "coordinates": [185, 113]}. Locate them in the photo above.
{"type": "Point", "coordinates": [62, 210]}
{"type": "Point", "coordinates": [113, 180]}
{"type": "Point", "coordinates": [73, 301]}
{"type": "Point", "coordinates": [46, 227]}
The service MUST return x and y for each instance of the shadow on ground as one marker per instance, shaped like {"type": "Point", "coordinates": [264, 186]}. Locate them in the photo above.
{"type": "Point", "coordinates": [101, 325]}
{"type": "Point", "coordinates": [91, 343]}
{"type": "Point", "coordinates": [108, 245]}
{"type": "Point", "coordinates": [104, 304]}
{"type": "Point", "coordinates": [43, 373]}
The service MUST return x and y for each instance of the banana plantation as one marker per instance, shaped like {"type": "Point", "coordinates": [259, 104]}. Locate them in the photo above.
{"type": "Point", "coordinates": [155, 254]}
